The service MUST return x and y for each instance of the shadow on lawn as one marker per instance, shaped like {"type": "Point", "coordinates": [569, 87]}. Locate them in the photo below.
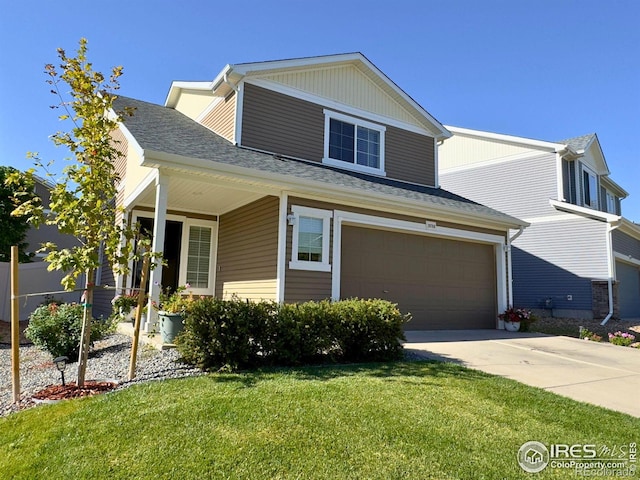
{"type": "Point", "coordinates": [389, 371]}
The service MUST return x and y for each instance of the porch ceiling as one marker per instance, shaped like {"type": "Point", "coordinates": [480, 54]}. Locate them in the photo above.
{"type": "Point", "coordinates": [199, 194]}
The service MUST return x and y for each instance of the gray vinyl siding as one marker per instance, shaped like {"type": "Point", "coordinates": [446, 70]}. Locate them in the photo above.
{"type": "Point", "coordinates": [554, 259]}
{"type": "Point", "coordinates": [625, 244]}
{"type": "Point", "coordinates": [102, 306]}
{"type": "Point", "coordinates": [288, 126]}
{"type": "Point", "coordinates": [248, 249]}
{"type": "Point", "coordinates": [521, 187]}
{"type": "Point", "coordinates": [281, 124]}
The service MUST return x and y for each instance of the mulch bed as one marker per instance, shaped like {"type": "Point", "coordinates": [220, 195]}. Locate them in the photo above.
{"type": "Point", "coordinates": [71, 390]}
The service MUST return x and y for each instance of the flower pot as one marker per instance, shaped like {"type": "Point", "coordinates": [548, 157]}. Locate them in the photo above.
{"type": "Point", "coordinates": [171, 325]}
{"type": "Point", "coordinates": [511, 326]}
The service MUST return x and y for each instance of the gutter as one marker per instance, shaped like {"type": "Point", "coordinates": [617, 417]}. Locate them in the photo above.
{"type": "Point", "coordinates": [610, 228]}
{"type": "Point", "coordinates": [509, 268]}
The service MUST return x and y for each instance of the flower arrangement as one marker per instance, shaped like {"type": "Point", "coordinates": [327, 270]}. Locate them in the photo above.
{"type": "Point", "coordinates": [621, 338]}
{"type": "Point", "coordinates": [518, 315]}
{"type": "Point", "coordinates": [125, 303]}
{"type": "Point", "coordinates": [176, 301]}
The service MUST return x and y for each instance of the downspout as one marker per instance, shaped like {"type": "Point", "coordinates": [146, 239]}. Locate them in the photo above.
{"type": "Point", "coordinates": [509, 268]}
{"type": "Point", "coordinates": [610, 262]}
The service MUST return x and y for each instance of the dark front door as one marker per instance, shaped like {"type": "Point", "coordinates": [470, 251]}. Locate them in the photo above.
{"type": "Point", "coordinates": [172, 247]}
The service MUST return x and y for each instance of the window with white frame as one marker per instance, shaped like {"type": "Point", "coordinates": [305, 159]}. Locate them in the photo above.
{"type": "Point", "coordinates": [611, 202]}
{"type": "Point", "coordinates": [353, 143]}
{"type": "Point", "coordinates": [310, 240]}
{"type": "Point", "coordinates": [589, 188]}
{"type": "Point", "coordinates": [199, 256]}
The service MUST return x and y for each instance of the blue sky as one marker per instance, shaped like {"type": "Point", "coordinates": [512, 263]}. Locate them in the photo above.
{"type": "Point", "coordinates": [543, 69]}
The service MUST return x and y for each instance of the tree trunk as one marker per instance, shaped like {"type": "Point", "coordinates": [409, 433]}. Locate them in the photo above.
{"type": "Point", "coordinates": [85, 338]}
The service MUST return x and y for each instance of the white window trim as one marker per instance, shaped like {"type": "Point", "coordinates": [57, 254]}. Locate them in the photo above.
{"type": "Point", "coordinates": [583, 192]}
{"type": "Point", "coordinates": [325, 216]}
{"type": "Point", "coordinates": [184, 254]}
{"type": "Point", "coordinates": [610, 196]}
{"type": "Point", "coordinates": [328, 115]}
{"type": "Point", "coordinates": [184, 249]}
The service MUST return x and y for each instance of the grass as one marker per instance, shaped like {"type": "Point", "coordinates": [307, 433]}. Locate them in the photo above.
{"type": "Point", "coordinates": [402, 420]}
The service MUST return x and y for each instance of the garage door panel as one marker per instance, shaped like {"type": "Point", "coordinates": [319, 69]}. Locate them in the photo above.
{"type": "Point", "coordinates": [628, 277]}
{"type": "Point", "coordinates": [443, 283]}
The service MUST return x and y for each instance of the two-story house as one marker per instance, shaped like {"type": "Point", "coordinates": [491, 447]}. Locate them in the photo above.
{"type": "Point", "coordinates": [580, 257]}
{"type": "Point", "coordinates": [309, 179]}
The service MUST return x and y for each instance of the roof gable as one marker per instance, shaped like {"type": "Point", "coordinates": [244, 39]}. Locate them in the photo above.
{"type": "Point", "coordinates": [589, 146]}
{"type": "Point", "coordinates": [347, 79]}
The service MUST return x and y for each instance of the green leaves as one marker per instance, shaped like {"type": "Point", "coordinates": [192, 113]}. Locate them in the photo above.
{"type": "Point", "coordinates": [82, 201]}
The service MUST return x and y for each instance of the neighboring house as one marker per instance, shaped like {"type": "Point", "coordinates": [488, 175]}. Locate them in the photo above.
{"type": "Point", "coordinates": [34, 278]}
{"type": "Point", "coordinates": [309, 179]}
{"type": "Point", "coordinates": [46, 233]}
{"type": "Point", "coordinates": [580, 257]}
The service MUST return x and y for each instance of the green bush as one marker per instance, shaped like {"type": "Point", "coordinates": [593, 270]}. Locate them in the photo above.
{"type": "Point", "coordinates": [242, 334]}
{"type": "Point", "coordinates": [58, 328]}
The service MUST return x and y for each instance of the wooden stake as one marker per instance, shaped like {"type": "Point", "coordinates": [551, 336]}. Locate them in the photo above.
{"type": "Point", "coordinates": [15, 325]}
{"type": "Point", "coordinates": [136, 329]}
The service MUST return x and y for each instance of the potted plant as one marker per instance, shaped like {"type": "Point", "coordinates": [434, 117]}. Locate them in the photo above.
{"type": "Point", "coordinates": [516, 319]}
{"type": "Point", "coordinates": [124, 305]}
{"type": "Point", "coordinates": [171, 312]}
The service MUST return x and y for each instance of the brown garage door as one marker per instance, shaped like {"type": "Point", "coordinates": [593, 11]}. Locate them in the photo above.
{"type": "Point", "coordinates": [445, 284]}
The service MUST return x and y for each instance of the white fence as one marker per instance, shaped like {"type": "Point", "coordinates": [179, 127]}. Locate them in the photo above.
{"type": "Point", "coordinates": [33, 278]}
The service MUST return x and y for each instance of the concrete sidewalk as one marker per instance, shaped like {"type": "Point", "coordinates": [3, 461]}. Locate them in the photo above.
{"type": "Point", "coordinates": [597, 373]}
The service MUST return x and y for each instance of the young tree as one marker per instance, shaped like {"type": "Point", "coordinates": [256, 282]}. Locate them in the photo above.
{"type": "Point", "coordinates": [83, 200]}
{"type": "Point", "coordinates": [13, 229]}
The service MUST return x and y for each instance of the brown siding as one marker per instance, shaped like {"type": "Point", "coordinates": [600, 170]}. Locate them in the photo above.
{"type": "Point", "coordinates": [248, 249]}
{"type": "Point", "coordinates": [221, 119]}
{"type": "Point", "coordinates": [282, 124]}
{"type": "Point", "coordinates": [292, 127]}
{"type": "Point", "coordinates": [409, 156]}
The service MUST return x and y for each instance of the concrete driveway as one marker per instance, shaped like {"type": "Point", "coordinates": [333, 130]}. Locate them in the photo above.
{"type": "Point", "coordinates": [597, 373]}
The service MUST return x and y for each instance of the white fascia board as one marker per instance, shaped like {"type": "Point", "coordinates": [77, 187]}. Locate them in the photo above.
{"type": "Point", "coordinates": [630, 228]}
{"type": "Point", "coordinates": [274, 181]}
{"type": "Point", "coordinates": [611, 185]}
{"type": "Point", "coordinates": [131, 139]}
{"type": "Point", "coordinates": [585, 212]}
{"type": "Point", "coordinates": [248, 69]}
{"type": "Point", "coordinates": [178, 86]}
{"type": "Point", "coordinates": [527, 142]}
{"type": "Point", "coordinates": [333, 105]}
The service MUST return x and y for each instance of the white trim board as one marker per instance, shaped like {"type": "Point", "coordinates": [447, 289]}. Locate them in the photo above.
{"type": "Point", "coordinates": [626, 258]}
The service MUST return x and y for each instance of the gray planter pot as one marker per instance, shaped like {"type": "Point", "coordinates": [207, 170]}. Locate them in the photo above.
{"type": "Point", "coordinates": [171, 324]}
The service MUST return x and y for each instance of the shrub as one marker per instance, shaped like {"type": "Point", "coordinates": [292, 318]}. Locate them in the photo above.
{"type": "Point", "coordinates": [621, 338]}
{"type": "Point", "coordinates": [242, 334]}
{"type": "Point", "coordinates": [58, 328]}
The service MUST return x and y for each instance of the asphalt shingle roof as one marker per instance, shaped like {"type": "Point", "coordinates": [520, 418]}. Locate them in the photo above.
{"type": "Point", "coordinates": [163, 129]}
{"type": "Point", "coordinates": [579, 143]}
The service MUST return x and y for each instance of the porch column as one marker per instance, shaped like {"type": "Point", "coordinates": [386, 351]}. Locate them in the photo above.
{"type": "Point", "coordinates": [159, 223]}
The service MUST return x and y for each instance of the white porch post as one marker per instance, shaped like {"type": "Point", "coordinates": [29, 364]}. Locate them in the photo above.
{"type": "Point", "coordinates": [159, 222]}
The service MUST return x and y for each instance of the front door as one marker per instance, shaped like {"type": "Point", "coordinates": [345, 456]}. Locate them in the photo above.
{"type": "Point", "coordinates": [171, 255]}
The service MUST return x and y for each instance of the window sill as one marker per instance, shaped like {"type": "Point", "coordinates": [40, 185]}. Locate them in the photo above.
{"type": "Point", "coordinates": [353, 166]}
{"type": "Point", "coordinates": [311, 266]}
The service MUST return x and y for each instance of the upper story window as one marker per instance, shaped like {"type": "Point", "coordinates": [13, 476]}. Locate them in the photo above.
{"type": "Point", "coordinates": [353, 143]}
{"type": "Point", "coordinates": [589, 188]}
{"type": "Point", "coordinates": [611, 203]}
{"type": "Point", "coordinates": [310, 240]}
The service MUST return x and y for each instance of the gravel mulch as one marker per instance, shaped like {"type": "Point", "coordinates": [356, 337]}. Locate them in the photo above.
{"type": "Point", "coordinates": [571, 327]}
{"type": "Point", "coordinates": [108, 360]}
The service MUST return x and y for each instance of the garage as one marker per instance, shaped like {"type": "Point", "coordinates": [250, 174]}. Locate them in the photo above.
{"type": "Point", "coordinates": [443, 283]}
{"type": "Point", "coordinates": [628, 278]}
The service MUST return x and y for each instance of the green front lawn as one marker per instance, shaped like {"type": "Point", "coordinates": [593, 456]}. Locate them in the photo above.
{"type": "Point", "coordinates": [401, 420]}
